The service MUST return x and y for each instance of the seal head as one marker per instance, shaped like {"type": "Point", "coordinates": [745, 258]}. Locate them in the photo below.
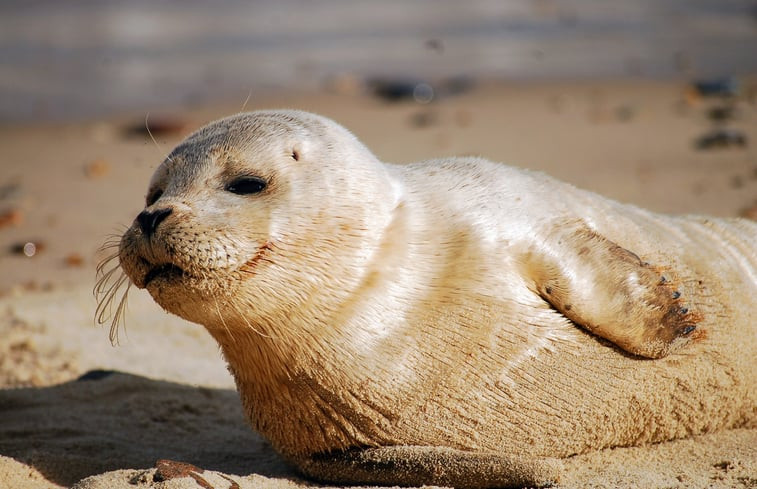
{"type": "Point", "coordinates": [237, 195]}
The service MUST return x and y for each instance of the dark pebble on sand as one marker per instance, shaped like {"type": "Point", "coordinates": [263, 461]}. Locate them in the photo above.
{"type": "Point", "coordinates": [721, 113]}
{"type": "Point", "coordinates": [158, 126]}
{"type": "Point", "coordinates": [27, 248]}
{"type": "Point", "coordinates": [722, 138]}
{"type": "Point", "coordinates": [421, 91]}
{"type": "Point", "coordinates": [95, 375]}
{"type": "Point", "coordinates": [717, 87]}
{"type": "Point", "coordinates": [423, 119]}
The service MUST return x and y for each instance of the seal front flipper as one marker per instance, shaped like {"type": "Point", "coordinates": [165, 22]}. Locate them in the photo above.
{"type": "Point", "coordinates": [418, 465]}
{"type": "Point", "coordinates": [610, 291]}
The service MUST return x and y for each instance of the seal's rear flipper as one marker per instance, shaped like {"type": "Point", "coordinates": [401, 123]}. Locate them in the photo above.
{"type": "Point", "coordinates": [417, 466]}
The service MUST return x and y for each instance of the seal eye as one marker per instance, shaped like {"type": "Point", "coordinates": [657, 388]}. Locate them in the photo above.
{"type": "Point", "coordinates": [246, 185]}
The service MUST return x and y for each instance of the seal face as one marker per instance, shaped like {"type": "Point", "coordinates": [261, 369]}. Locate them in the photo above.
{"type": "Point", "coordinates": [230, 200]}
{"type": "Point", "coordinates": [453, 321]}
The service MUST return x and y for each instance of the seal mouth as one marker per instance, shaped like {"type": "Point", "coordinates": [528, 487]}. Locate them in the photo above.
{"type": "Point", "coordinates": [165, 271]}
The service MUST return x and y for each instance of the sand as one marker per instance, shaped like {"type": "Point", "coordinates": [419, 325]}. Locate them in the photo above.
{"type": "Point", "coordinates": [164, 392]}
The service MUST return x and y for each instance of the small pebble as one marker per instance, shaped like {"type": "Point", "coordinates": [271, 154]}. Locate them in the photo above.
{"type": "Point", "coordinates": [717, 87]}
{"type": "Point", "coordinates": [13, 217]}
{"type": "Point", "coordinates": [750, 212]}
{"type": "Point", "coordinates": [28, 248]}
{"type": "Point", "coordinates": [722, 138]}
{"type": "Point", "coordinates": [158, 126]}
{"type": "Point", "coordinates": [74, 260]}
{"type": "Point", "coordinates": [423, 119]}
{"type": "Point", "coordinates": [97, 168]}
{"type": "Point", "coordinates": [721, 113]}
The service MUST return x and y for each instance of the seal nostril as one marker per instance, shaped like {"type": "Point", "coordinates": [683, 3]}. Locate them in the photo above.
{"type": "Point", "coordinates": [149, 221]}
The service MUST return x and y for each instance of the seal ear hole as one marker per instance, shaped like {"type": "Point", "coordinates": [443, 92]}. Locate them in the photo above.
{"type": "Point", "coordinates": [153, 197]}
{"type": "Point", "coordinates": [295, 154]}
{"type": "Point", "coordinates": [246, 185]}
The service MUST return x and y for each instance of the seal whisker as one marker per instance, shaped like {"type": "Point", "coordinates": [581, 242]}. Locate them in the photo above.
{"type": "Point", "coordinates": [111, 279]}
{"type": "Point", "coordinates": [107, 292]}
{"type": "Point", "coordinates": [118, 318]}
{"type": "Point", "coordinates": [104, 286]}
{"type": "Point", "coordinates": [104, 312]}
{"type": "Point", "coordinates": [247, 322]}
{"type": "Point", "coordinates": [249, 95]}
{"type": "Point", "coordinates": [147, 127]}
{"type": "Point", "coordinates": [220, 316]}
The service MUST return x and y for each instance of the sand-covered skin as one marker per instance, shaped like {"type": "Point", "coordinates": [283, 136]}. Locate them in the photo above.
{"type": "Point", "coordinates": [67, 187]}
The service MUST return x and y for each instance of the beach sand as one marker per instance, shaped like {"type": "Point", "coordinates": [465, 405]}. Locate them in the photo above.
{"type": "Point", "coordinates": [164, 391]}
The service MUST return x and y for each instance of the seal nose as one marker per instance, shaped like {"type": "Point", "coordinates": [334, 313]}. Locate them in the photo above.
{"type": "Point", "coordinates": [150, 220]}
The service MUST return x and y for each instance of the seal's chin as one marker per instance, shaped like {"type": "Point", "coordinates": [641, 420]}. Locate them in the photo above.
{"type": "Point", "coordinates": [165, 271]}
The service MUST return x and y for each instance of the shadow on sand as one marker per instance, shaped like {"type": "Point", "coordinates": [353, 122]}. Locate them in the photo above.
{"type": "Point", "coordinates": [109, 420]}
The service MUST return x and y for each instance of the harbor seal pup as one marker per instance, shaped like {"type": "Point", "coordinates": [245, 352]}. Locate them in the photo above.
{"type": "Point", "coordinates": [454, 321]}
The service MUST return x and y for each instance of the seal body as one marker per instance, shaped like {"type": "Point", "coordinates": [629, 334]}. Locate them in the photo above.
{"type": "Point", "coordinates": [402, 323]}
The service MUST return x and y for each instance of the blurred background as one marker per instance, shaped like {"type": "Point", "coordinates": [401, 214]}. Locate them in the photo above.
{"type": "Point", "coordinates": [63, 60]}
{"type": "Point", "coordinates": [650, 102]}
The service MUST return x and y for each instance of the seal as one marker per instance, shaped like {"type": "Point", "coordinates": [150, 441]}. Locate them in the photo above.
{"type": "Point", "coordinates": [454, 321]}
